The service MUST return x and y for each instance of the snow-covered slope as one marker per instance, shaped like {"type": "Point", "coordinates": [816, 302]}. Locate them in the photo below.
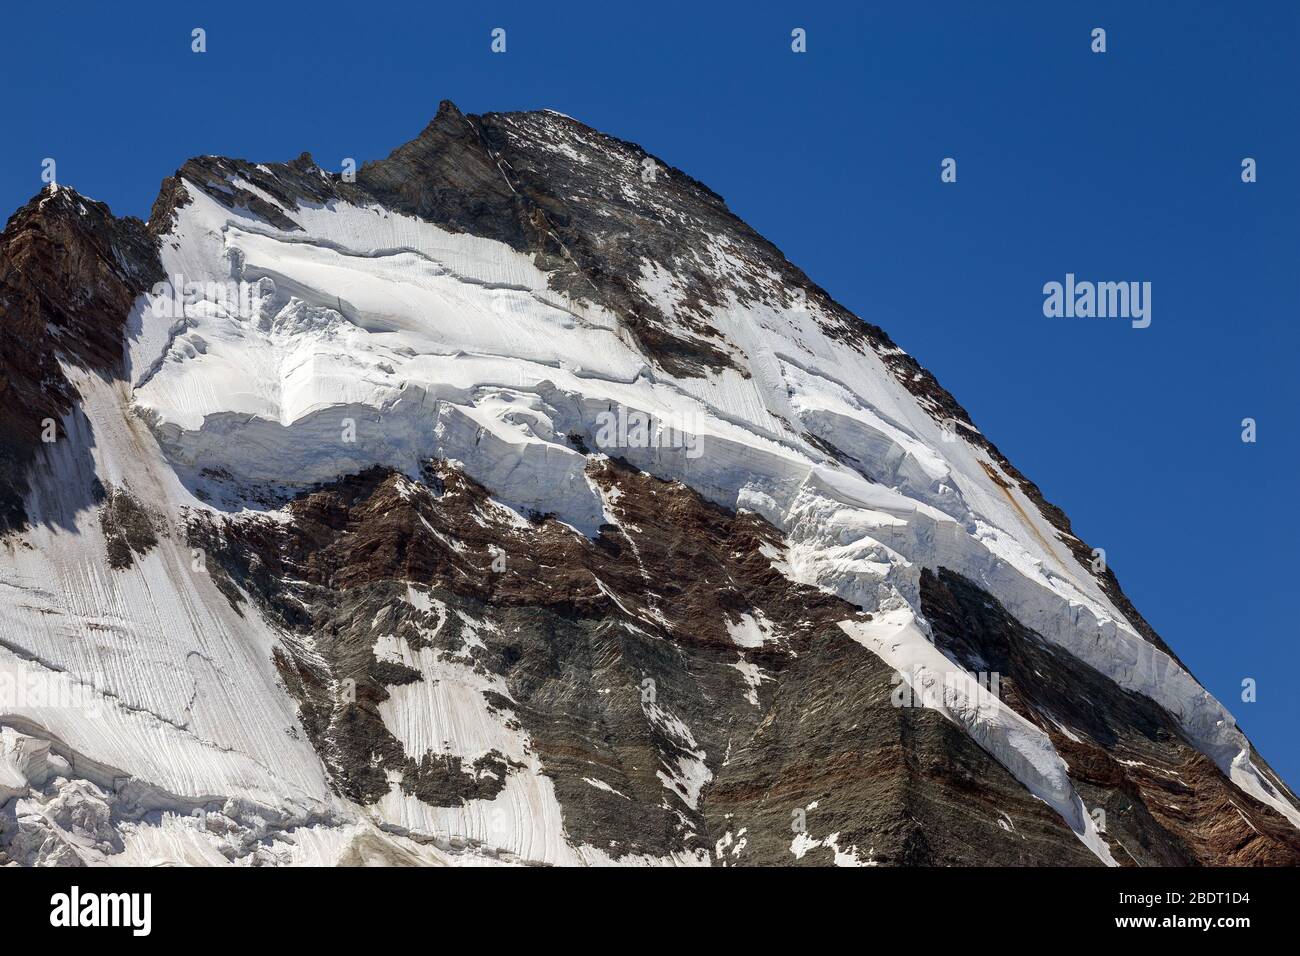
{"type": "Point", "coordinates": [311, 329]}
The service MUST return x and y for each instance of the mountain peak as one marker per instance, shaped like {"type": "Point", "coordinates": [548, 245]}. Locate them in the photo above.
{"type": "Point", "coordinates": [519, 499]}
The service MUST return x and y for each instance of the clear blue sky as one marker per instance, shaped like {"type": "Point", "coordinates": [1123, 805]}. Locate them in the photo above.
{"type": "Point", "coordinates": [1117, 166]}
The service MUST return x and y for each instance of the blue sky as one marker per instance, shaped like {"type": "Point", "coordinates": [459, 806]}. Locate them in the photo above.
{"type": "Point", "coordinates": [1120, 166]}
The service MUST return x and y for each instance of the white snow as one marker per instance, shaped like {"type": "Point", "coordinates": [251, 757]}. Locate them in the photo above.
{"type": "Point", "coordinates": [687, 773]}
{"type": "Point", "coordinates": [750, 630]}
{"type": "Point", "coordinates": [602, 785]}
{"type": "Point", "coordinates": [753, 676]}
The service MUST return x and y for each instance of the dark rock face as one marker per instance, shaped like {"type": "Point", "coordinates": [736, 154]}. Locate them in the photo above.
{"type": "Point", "coordinates": [901, 784]}
{"type": "Point", "coordinates": [128, 528]}
{"type": "Point", "coordinates": [448, 175]}
{"type": "Point", "coordinates": [487, 175]}
{"type": "Point", "coordinates": [69, 273]}
{"type": "Point", "coordinates": [289, 184]}
{"type": "Point", "coordinates": [1165, 802]}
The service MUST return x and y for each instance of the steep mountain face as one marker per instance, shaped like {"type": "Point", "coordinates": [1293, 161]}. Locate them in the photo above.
{"type": "Point", "coordinates": [69, 272]}
{"type": "Point", "coordinates": [513, 502]}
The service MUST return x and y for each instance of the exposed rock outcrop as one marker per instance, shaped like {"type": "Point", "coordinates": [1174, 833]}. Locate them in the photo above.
{"type": "Point", "coordinates": [70, 272]}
